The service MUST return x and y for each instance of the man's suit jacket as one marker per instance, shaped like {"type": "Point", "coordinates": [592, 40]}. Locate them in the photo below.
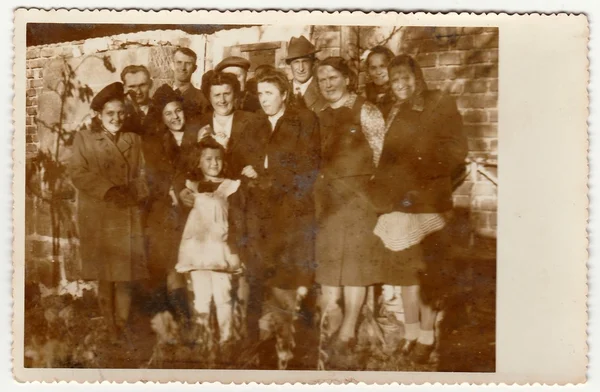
{"type": "Point", "coordinates": [312, 98]}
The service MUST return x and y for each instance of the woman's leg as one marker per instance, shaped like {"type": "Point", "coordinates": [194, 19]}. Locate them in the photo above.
{"type": "Point", "coordinates": [122, 303]}
{"type": "Point", "coordinates": [426, 335]}
{"type": "Point", "coordinates": [329, 307]}
{"type": "Point", "coordinates": [411, 303]}
{"type": "Point", "coordinates": [354, 297]}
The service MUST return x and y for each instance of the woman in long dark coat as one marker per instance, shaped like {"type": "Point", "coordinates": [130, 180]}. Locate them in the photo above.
{"type": "Point", "coordinates": [163, 150]}
{"type": "Point", "coordinates": [352, 132]}
{"type": "Point", "coordinates": [412, 191]}
{"type": "Point", "coordinates": [287, 176]}
{"type": "Point", "coordinates": [107, 169]}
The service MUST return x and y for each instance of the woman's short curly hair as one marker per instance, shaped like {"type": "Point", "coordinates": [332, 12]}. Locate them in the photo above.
{"type": "Point", "coordinates": [341, 65]}
{"type": "Point", "coordinates": [222, 78]}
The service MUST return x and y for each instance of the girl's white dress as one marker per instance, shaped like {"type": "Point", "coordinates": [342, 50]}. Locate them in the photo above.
{"type": "Point", "coordinates": [204, 240]}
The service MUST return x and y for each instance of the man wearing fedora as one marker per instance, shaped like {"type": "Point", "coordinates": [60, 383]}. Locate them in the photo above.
{"type": "Point", "coordinates": [239, 67]}
{"type": "Point", "coordinates": [301, 58]}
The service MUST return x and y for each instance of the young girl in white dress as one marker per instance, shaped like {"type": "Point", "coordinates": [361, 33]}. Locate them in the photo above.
{"type": "Point", "coordinates": [209, 245]}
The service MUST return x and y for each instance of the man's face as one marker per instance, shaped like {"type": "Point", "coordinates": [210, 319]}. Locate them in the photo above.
{"type": "Point", "coordinates": [137, 86]}
{"type": "Point", "coordinates": [302, 69]}
{"type": "Point", "coordinates": [184, 67]}
{"type": "Point", "coordinates": [240, 74]}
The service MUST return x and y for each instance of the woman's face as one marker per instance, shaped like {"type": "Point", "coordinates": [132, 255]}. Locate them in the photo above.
{"type": "Point", "coordinates": [378, 69]}
{"type": "Point", "coordinates": [112, 116]}
{"type": "Point", "coordinates": [211, 163]}
{"type": "Point", "coordinates": [173, 116]}
{"type": "Point", "coordinates": [332, 83]}
{"type": "Point", "coordinates": [222, 98]}
{"type": "Point", "coordinates": [270, 98]}
{"type": "Point", "coordinates": [403, 82]}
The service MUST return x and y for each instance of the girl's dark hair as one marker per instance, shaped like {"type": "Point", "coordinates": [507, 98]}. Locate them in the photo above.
{"type": "Point", "coordinates": [277, 78]}
{"type": "Point", "coordinates": [340, 65]}
{"type": "Point", "coordinates": [222, 78]}
{"type": "Point", "coordinates": [191, 157]}
{"type": "Point", "coordinates": [415, 68]}
{"type": "Point", "coordinates": [379, 49]}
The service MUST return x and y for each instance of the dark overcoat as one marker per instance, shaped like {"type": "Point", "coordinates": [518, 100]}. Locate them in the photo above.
{"type": "Point", "coordinates": [111, 237]}
{"type": "Point", "coordinates": [425, 144]}
{"type": "Point", "coordinates": [165, 217]}
{"type": "Point", "coordinates": [293, 155]}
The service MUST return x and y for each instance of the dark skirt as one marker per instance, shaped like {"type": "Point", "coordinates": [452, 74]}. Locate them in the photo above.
{"type": "Point", "coordinates": [400, 268]}
{"type": "Point", "coordinates": [345, 236]}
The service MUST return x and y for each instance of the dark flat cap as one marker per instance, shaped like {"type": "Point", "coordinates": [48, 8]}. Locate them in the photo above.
{"type": "Point", "coordinates": [109, 93]}
{"type": "Point", "coordinates": [233, 61]}
{"type": "Point", "coordinates": [165, 95]}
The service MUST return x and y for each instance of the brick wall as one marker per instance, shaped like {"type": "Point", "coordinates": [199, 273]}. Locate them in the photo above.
{"type": "Point", "coordinates": [44, 65]}
{"type": "Point", "coordinates": [463, 61]}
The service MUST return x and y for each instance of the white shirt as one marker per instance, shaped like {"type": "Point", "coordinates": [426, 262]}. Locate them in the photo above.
{"type": "Point", "coordinates": [144, 109]}
{"type": "Point", "coordinates": [222, 132]}
{"type": "Point", "coordinates": [273, 120]}
{"type": "Point", "coordinates": [301, 88]}
{"type": "Point", "coordinates": [178, 137]}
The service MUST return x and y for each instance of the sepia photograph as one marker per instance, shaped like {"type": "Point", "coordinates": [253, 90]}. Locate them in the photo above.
{"type": "Point", "coordinates": [261, 197]}
{"type": "Point", "coordinates": [299, 197]}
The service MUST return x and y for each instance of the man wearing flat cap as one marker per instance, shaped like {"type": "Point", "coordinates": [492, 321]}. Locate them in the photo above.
{"type": "Point", "coordinates": [239, 67]}
{"type": "Point", "coordinates": [184, 65]}
{"type": "Point", "coordinates": [301, 58]}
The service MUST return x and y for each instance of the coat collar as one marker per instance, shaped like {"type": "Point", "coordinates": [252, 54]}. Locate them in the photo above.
{"type": "Point", "coordinates": [312, 93]}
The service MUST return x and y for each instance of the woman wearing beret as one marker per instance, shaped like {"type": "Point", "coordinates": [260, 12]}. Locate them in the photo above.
{"type": "Point", "coordinates": [352, 131]}
{"type": "Point", "coordinates": [106, 167]}
{"type": "Point", "coordinates": [412, 191]}
{"type": "Point", "coordinates": [377, 90]}
{"type": "Point", "coordinates": [287, 175]}
{"type": "Point", "coordinates": [163, 148]}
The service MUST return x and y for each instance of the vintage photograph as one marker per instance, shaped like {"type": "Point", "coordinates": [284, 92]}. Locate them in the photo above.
{"type": "Point", "coordinates": [277, 196]}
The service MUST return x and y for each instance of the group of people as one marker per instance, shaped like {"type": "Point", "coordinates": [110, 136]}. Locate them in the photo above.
{"type": "Point", "coordinates": [248, 189]}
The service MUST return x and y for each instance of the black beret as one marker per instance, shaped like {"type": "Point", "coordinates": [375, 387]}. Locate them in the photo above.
{"type": "Point", "coordinates": [109, 93]}
{"type": "Point", "coordinates": [164, 95]}
{"type": "Point", "coordinates": [233, 61]}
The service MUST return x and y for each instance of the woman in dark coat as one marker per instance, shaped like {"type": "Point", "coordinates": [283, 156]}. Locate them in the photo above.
{"type": "Point", "coordinates": [352, 132]}
{"type": "Point", "coordinates": [107, 169]}
{"type": "Point", "coordinates": [244, 136]}
{"type": "Point", "coordinates": [286, 177]}
{"type": "Point", "coordinates": [412, 191]}
{"type": "Point", "coordinates": [163, 147]}
{"type": "Point", "coordinates": [377, 89]}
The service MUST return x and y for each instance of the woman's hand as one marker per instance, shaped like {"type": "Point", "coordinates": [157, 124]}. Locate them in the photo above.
{"type": "Point", "coordinates": [205, 131]}
{"type": "Point", "coordinates": [187, 197]}
{"type": "Point", "coordinates": [249, 172]}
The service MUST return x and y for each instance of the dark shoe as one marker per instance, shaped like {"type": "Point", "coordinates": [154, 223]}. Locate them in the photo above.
{"type": "Point", "coordinates": [405, 347]}
{"type": "Point", "coordinates": [421, 353]}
